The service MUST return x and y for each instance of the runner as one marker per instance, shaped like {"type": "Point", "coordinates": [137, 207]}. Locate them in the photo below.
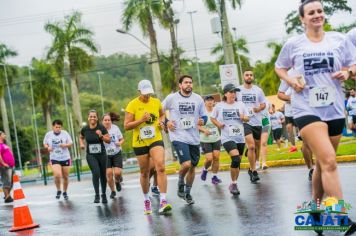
{"type": "Point", "coordinates": [320, 59]}
{"type": "Point", "coordinates": [94, 135]}
{"type": "Point", "coordinates": [277, 119]}
{"type": "Point", "coordinates": [57, 142]}
{"type": "Point", "coordinates": [113, 151]}
{"type": "Point", "coordinates": [351, 108]}
{"type": "Point", "coordinates": [186, 110]}
{"type": "Point", "coordinates": [7, 163]}
{"type": "Point", "coordinates": [229, 115]}
{"type": "Point", "coordinates": [210, 143]}
{"type": "Point", "coordinates": [283, 90]}
{"type": "Point", "coordinates": [254, 99]}
{"type": "Point", "coordinates": [266, 128]}
{"type": "Point", "coordinates": [144, 115]}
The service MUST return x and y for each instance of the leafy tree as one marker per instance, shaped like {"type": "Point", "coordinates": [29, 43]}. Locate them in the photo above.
{"type": "Point", "coordinates": [72, 43]}
{"type": "Point", "coordinates": [293, 23]}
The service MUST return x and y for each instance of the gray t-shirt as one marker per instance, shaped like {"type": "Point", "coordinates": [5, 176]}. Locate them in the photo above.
{"type": "Point", "coordinates": [352, 36]}
{"type": "Point", "coordinates": [54, 140]}
{"type": "Point", "coordinates": [185, 113]}
{"type": "Point", "coordinates": [214, 136]}
{"type": "Point", "coordinates": [351, 106]}
{"type": "Point", "coordinates": [322, 96]}
{"type": "Point", "coordinates": [252, 98]}
{"type": "Point", "coordinates": [276, 120]}
{"type": "Point", "coordinates": [115, 135]}
{"type": "Point", "coordinates": [229, 114]}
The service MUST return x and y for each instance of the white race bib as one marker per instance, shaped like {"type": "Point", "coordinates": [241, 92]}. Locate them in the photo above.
{"type": "Point", "coordinates": [94, 148]}
{"type": "Point", "coordinates": [111, 151]}
{"type": "Point", "coordinates": [321, 96]}
{"type": "Point", "coordinates": [251, 113]}
{"type": "Point", "coordinates": [58, 151]}
{"type": "Point", "coordinates": [235, 130]}
{"type": "Point", "coordinates": [147, 132]}
{"type": "Point", "coordinates": [187, 122]}
{"type": "Point", "coordinates": [214, 131]}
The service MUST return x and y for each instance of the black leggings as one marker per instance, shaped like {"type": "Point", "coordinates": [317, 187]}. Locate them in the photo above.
{"type": "Point", "coordinates": [97, 166]}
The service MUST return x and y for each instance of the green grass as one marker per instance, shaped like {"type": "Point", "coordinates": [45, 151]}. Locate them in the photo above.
{"type": "Point", "coordinates": [347, 147]}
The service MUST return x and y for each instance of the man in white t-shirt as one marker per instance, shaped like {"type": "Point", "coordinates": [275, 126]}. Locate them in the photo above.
{"type": "Point", "coordinates": [351, 109]}
{"type": "Point", "coordinates": [254, 99]}
{"type": "Point", "coordinates": [57, 142]}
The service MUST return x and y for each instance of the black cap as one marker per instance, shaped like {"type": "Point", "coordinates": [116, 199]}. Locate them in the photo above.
{"type": "Point", "coordinates": [230, 87]}
{"type": "Point", "coordinates": [208, 97]}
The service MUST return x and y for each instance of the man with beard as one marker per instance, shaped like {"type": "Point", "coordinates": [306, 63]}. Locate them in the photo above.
{"type": "Point", "coordinates": [186, 113]}
{"type": "Point", "coordinates": [254, 99]}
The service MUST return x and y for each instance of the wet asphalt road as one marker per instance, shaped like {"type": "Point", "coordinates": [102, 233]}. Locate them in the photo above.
{"type": "Point", "coordinates": [265, 208]}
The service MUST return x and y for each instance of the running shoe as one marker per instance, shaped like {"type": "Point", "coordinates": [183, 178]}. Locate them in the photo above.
{"type": "Point", "coordinates": [250, 174]}
{"type": "Point", "coordinates": [113, 195]}
{"type": "Point", "coordinates": [234, 190]}
{"type": "Point", "coordinates": [293, 149]}
{"type": "Point", "coordinates": [255, 177]}
{"type": "Point", "coordinates": [9, 199]}
{"type": "Point", "coordinates": [155, 191]}
{"type": "Point", "coordinates": [97, 198]}
{"type": "Point", "coordinates": [264, 167]}
{"type": "Point", "coordinates": [310, 175]}
{"type": "Point", "coordinates": [147, 210]}
{"type": "Point", "coordinates": [164, 207]}
{"type": "Point", "coordinates": [181, 192]}
{"type": "Point", "coordinates": [352, 228]}
{"type": "Point", "coordinates": [189, 199]}
{"type": "Point", "coordinates": [118, 186]}
{"type": "Point", "coordinates": [104, 200]}
{"type": "Point", "coordinates": [203, 175]}
{"type": "Point", "coordinates": [215, 180]}
{"type": "Point", "coordinates": [65, 196]}
{"type": "Point", "coordinates": [58, 195]}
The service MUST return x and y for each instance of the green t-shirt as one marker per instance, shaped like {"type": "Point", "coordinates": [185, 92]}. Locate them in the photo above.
{"type": "Point", "coordinates": [214, 136]}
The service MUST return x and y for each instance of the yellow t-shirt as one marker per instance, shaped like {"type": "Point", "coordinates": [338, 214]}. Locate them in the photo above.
{"type": "Point", "coordinates": [148, 132]}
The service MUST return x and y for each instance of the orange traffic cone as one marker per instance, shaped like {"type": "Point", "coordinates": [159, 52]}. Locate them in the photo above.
{"type": "Point", "coordinates": [22, 215]}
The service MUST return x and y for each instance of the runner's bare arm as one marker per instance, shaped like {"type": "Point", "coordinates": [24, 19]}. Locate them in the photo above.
{"type": "Point", "coordinates": [131, 123]}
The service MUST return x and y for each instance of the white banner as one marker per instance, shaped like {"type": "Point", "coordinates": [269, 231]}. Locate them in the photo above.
{"type": "Point", "coordinates": [228, 75]}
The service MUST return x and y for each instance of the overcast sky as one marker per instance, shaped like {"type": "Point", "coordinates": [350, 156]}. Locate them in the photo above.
{"type": "Point", "coordinates": [260, 21]}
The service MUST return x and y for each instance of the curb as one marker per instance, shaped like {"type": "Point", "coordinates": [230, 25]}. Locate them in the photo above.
{"type": "Point", "coordinates": [279, 163]}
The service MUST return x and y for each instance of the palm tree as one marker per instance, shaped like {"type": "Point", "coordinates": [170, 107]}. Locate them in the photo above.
{"type": "Point", "coordinates": [46, 88]}
{"type": "Point", "coordinates": [142, 12]}
{"type": "Point", "coordinates": [240, 54]}
{"type": "Point", "coordinates": [220, 7]}
{"type": "Point", "coordinates": [72, 43]}
{"type": "Point", "coordinates": [11, 72]}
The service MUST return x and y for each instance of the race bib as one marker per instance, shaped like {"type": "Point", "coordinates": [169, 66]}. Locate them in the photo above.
{"type": "Point", "coordinates": [111, 151]}
{"type": "Point", "coordinates": [235, 130]}
{"type": "Point", "coordinates": [251, 113]}
{"type": "Point", "coordinates": [214, 131]}
{"type": "Point", "coordinates": [94, 148]}
{"type": "Point", "coordinates": [265, 121]}
{"type": "Point", "coordinates": [58, 151]}
{"type": "Point", "coordinates": [187, 122]}
{"type": "Point", "coordinates": [321, 96]}
{"type": "Point", "coordinates": [147, 132]}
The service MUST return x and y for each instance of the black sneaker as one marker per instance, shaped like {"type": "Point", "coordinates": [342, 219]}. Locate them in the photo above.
{"type": "Point", "coordinates": [316, 218]}
{"type": "Point", "coordinates": [65, 196]}
{"type": "Point", "coordinates": [189, 199]}
{"type": "Point", "coordinates": [255, 177]}
{"type": "Point", "coordinates": [250, 174]}
{"type": "Point", "coordinates": [181, 192]}
{"type": "Point", "coordinates": [58, 195]}
{"type": "Point", "coordinates": [352, 228]}
{"type": "Point", "coordinates": [118, 186]}
{"type": "Point", "coordinates": [310, 176]}
{"type": "Point", "coordinates": [97, 198]}
{"type": "Point", "coordinates": [9, 199]}
{"type": "Point", "coordinates": [113, 195]}
{"type": "Point", "coordinates": [103, 198]}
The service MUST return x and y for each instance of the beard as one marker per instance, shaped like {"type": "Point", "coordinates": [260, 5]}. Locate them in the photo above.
{"type": "Point", "coordinates": [248, 81]}
{"type": "Point", "coordinates": [188, 90]}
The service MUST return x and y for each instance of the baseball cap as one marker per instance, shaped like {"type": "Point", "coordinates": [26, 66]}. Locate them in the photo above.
{"type": "Point", "coordinates": [208, 97]}
{"type": "Point", "coordinates": [230, 87]}
{"type": "Point", "coordinates": [145, 87]}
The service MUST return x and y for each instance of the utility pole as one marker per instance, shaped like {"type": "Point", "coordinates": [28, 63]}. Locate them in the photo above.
{"type": "Point", "coordinates": [238, 56]}
{"type": "Point", "coordinates": [101, 92]}
{"type": "Point", "coordinates": [195, 50]}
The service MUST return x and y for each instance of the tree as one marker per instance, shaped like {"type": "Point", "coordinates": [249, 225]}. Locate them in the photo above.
{"type": "Point", "coordinates": [142, 12]}
{"type": "Point", "coordinates": [46, 88]}
{"type": "Point", "coordinates": [72, 43]}
{"type": "Point", "coordinates": [240, 50]}
{"type": "Point", "coordinates": [293, 23]}
{"type": "Point", "coordinates": [220, 7]}
{"type": "Point", "coordinates": [10, 72]}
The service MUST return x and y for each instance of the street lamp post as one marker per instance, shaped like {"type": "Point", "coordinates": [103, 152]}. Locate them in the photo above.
{"type": "Point", "coordinates": [101, 91]}
{"type": "Point", "coordinates": [195, 50]}
{"type": "Point", "coordinates": [12, 115]}
{"type": "Point", "coordinates": [238, 54]}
